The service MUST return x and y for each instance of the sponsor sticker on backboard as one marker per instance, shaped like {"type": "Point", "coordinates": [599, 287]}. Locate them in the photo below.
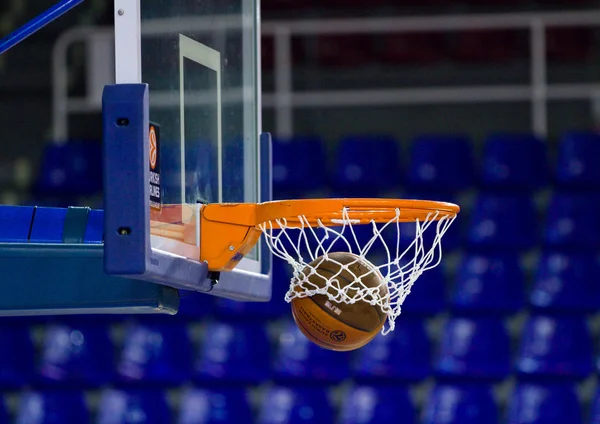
{"type": "Point", "coordinates": [154, 161]}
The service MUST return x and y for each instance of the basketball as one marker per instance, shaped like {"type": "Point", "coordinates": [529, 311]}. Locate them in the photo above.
{"type": "Point", "coordinates": [333, 325]}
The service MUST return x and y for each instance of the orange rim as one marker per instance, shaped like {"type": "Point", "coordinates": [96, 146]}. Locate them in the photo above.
{"type": "Point", "coordinates": [230, 230]}
{"type": "Point", "coordinates": [329, 211]}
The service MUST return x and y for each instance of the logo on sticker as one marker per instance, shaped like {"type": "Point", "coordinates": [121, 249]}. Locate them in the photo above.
{"type": "Point", "coordinates": [154, 163]}
{"type": "Point", "coordinates": [153, 148]}
{"type": "Point", "coordinates": [337, 336]}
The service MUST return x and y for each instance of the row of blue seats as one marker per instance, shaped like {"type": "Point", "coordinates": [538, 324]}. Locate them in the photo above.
{"type": "Point", "coordinates": [469, 349]}
{"type": "Point", "coordinates": [372, 165]}
{"type": "Point", "coordinates": [511, 222]}
{"type": "Point", "coordinates": [445, 404]}
{"type": "Point", "coordinates": [484, 285]}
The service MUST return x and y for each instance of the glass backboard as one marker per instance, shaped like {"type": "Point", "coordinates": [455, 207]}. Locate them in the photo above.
{"type": "Point", "coordinates": [201, 61]}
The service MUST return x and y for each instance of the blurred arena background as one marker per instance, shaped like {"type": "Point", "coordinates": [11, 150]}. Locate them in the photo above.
{"type": "Point", "coordinates": [493, 104]}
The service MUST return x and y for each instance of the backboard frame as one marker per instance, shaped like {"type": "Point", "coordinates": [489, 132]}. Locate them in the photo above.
{"type": "Point", "coordinates": [128, 248]}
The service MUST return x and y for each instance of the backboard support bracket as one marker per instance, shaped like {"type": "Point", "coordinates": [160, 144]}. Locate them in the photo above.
{"type": "Point", "coordinates": [127, 249]}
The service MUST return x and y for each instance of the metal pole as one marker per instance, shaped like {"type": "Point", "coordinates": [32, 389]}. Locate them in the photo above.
{"type": "Point", "coordinates": [37, 23]}
{"type": "Point", "coordinates": [539, 95]}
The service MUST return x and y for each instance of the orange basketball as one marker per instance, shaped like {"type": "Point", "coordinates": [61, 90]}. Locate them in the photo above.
{"type": "Point", "coordinates": [340, 326]}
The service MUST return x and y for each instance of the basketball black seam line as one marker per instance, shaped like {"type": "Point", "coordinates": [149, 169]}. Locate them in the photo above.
{"type": "Point", "coordinates": [332, 314]}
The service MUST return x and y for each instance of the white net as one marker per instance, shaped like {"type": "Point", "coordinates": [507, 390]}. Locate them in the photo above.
{"type": "Point", "coordinates": [400, 252]}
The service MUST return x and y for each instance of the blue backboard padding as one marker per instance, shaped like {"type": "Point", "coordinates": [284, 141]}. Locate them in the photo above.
{"type": "Point", "coordinates": [95, 227]}
{"type": "Point", "coordinates": [55, 279]}
{"type": "Point", "coordinates": [15, 223]}
{"type": "Point", "coordinates": [48, 225]}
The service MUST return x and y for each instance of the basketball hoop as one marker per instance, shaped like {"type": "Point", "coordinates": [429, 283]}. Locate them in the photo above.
{"type": "Point", "coordinates": [301, 231]}
{"type": "Point", "coordinates": [303, 239]}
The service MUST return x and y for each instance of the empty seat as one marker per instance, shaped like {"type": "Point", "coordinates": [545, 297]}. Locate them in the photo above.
{"type": "Point", "coordinates": [155, 354]}
{"type": "Point", "coordinates": [299, 167]}
{"type": "Point", "coordinates": [277, 307]}
{"type": "Point", "coordinates": [579, 160]}
{"type": "Point", "coordinates": [73, 168]}
{"type": "Point", "coordinates": [233, 353]}
{"type": "Point", "coordinates": [566, 283]}
{"type": "Point", "coordinates": [299, 360]}
{"type": "Point", "coordinates": [194, 305]}
{"type": "Point", "coordinates": [202, 406]}
{"type": "Point", "coordinates": [132, 407]}
{"type": "Point", "coordinates": [474, 349]}
{"type": "Point", "coordinates": [367, 166]}
{"type": "Point", "coordinates": [428, 294]}
{"type": "Point", "coordinates": [460, 404]}
{"type": "Point", "coordinates": [17, 362]}
{"type": "Point", "coordinates": [514, 161]}
{"type": "Point", "coordinates": [489, 284]}
{"type": "Point", "coordinates": [543, 404]}
{"type": "Point", "coordinates": [402, 355]}
{"type": "Point", "coordinates": [441, 163]}
{"type": "Point", "coordinates": [295, 406]}
{"type": "Point", "coordinates": [571, 221]}
{"type": "Point", "coordinates": [555, 348]}
{"type": "Point", "coordinates": [503, 222]}
{"type": "Point", "coordinates": [3, 413]}
{"type": "Point", "coordinates": [52, 408]}
{"type": "Point", "coordinates": [78, 355]}
{"type": "Point", "coordinates": [372, 404]}
{"type": "Point", "coordinates": [452, 238]}
{"type": "Point", "coordinates": [595, 409]}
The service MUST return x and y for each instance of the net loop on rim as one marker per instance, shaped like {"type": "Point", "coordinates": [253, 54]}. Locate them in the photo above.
{"type": "Point", "coordinates": [399, 263]}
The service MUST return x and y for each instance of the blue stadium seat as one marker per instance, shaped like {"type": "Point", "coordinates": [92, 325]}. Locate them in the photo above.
{"type": "Point", "coordinates": [595, 408]}
{"type": "Point", "coordinates": [155, 354]}
{"type": "Point", "coordinates": [579, 161]}
{"type": "Point", "coordinates": [515, 162]}
{"type": "Point", "coordinates": [544, 404]}
{"type": "Point", "coordinates": [17, 356]}
{"type": "Point", "coordinates": [555, 348]}
{"type": "Point", "coordinates": [572, 221]}
{"type": "Point", "coordinates": [3, 413]}
{"type": "Point", "coordinates": [238, 352]}
{"type": "Point", "coordinates": [441, 163]}
{"type": "Point", "coordinates": [133, 407]}
{"type": "Point", "coordinates": [474, 349]}
{"type": "Point", "coordinates": [460, 404]}
{"type": "Point", "coordinates": [61, 407]}
{"type": "Point", "coordinates": [450, 241]}
{"type": "Point", "coordinates": [489, 284]}
{"type": "Point", "coordinates": [503, 222]}
{"type": "Point", "coordinates": [371, 404]}
{"type": "Point", "coordinates": [214, 406]}
{"type": "Point", "coordinates": [566, 283]}
{"type": "Point", "coordinates": [299, 167]}
{"type": "Point", "coordinates": [402, 355]}
{"type": "Point", "coordinates": [299, 360]}
{"type": "Point", "coordinates": [300, 405]}
{"type": "Point", "coordinates": [194, 305]}
{"type": "Point", "coordinates": [77, 355]}
{"type": "Point", "coordinates": [367, 166]}
{"type": "Point", "coordinates": [428, 294]}
{"type": "Point", "coordinates": [277, 307]}
{"type": "Point", "coordinates": [73, 169]}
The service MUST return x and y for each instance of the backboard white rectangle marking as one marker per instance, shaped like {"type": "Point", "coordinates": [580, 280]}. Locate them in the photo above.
{"type": "Point", "coordinates": [210, 58]}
